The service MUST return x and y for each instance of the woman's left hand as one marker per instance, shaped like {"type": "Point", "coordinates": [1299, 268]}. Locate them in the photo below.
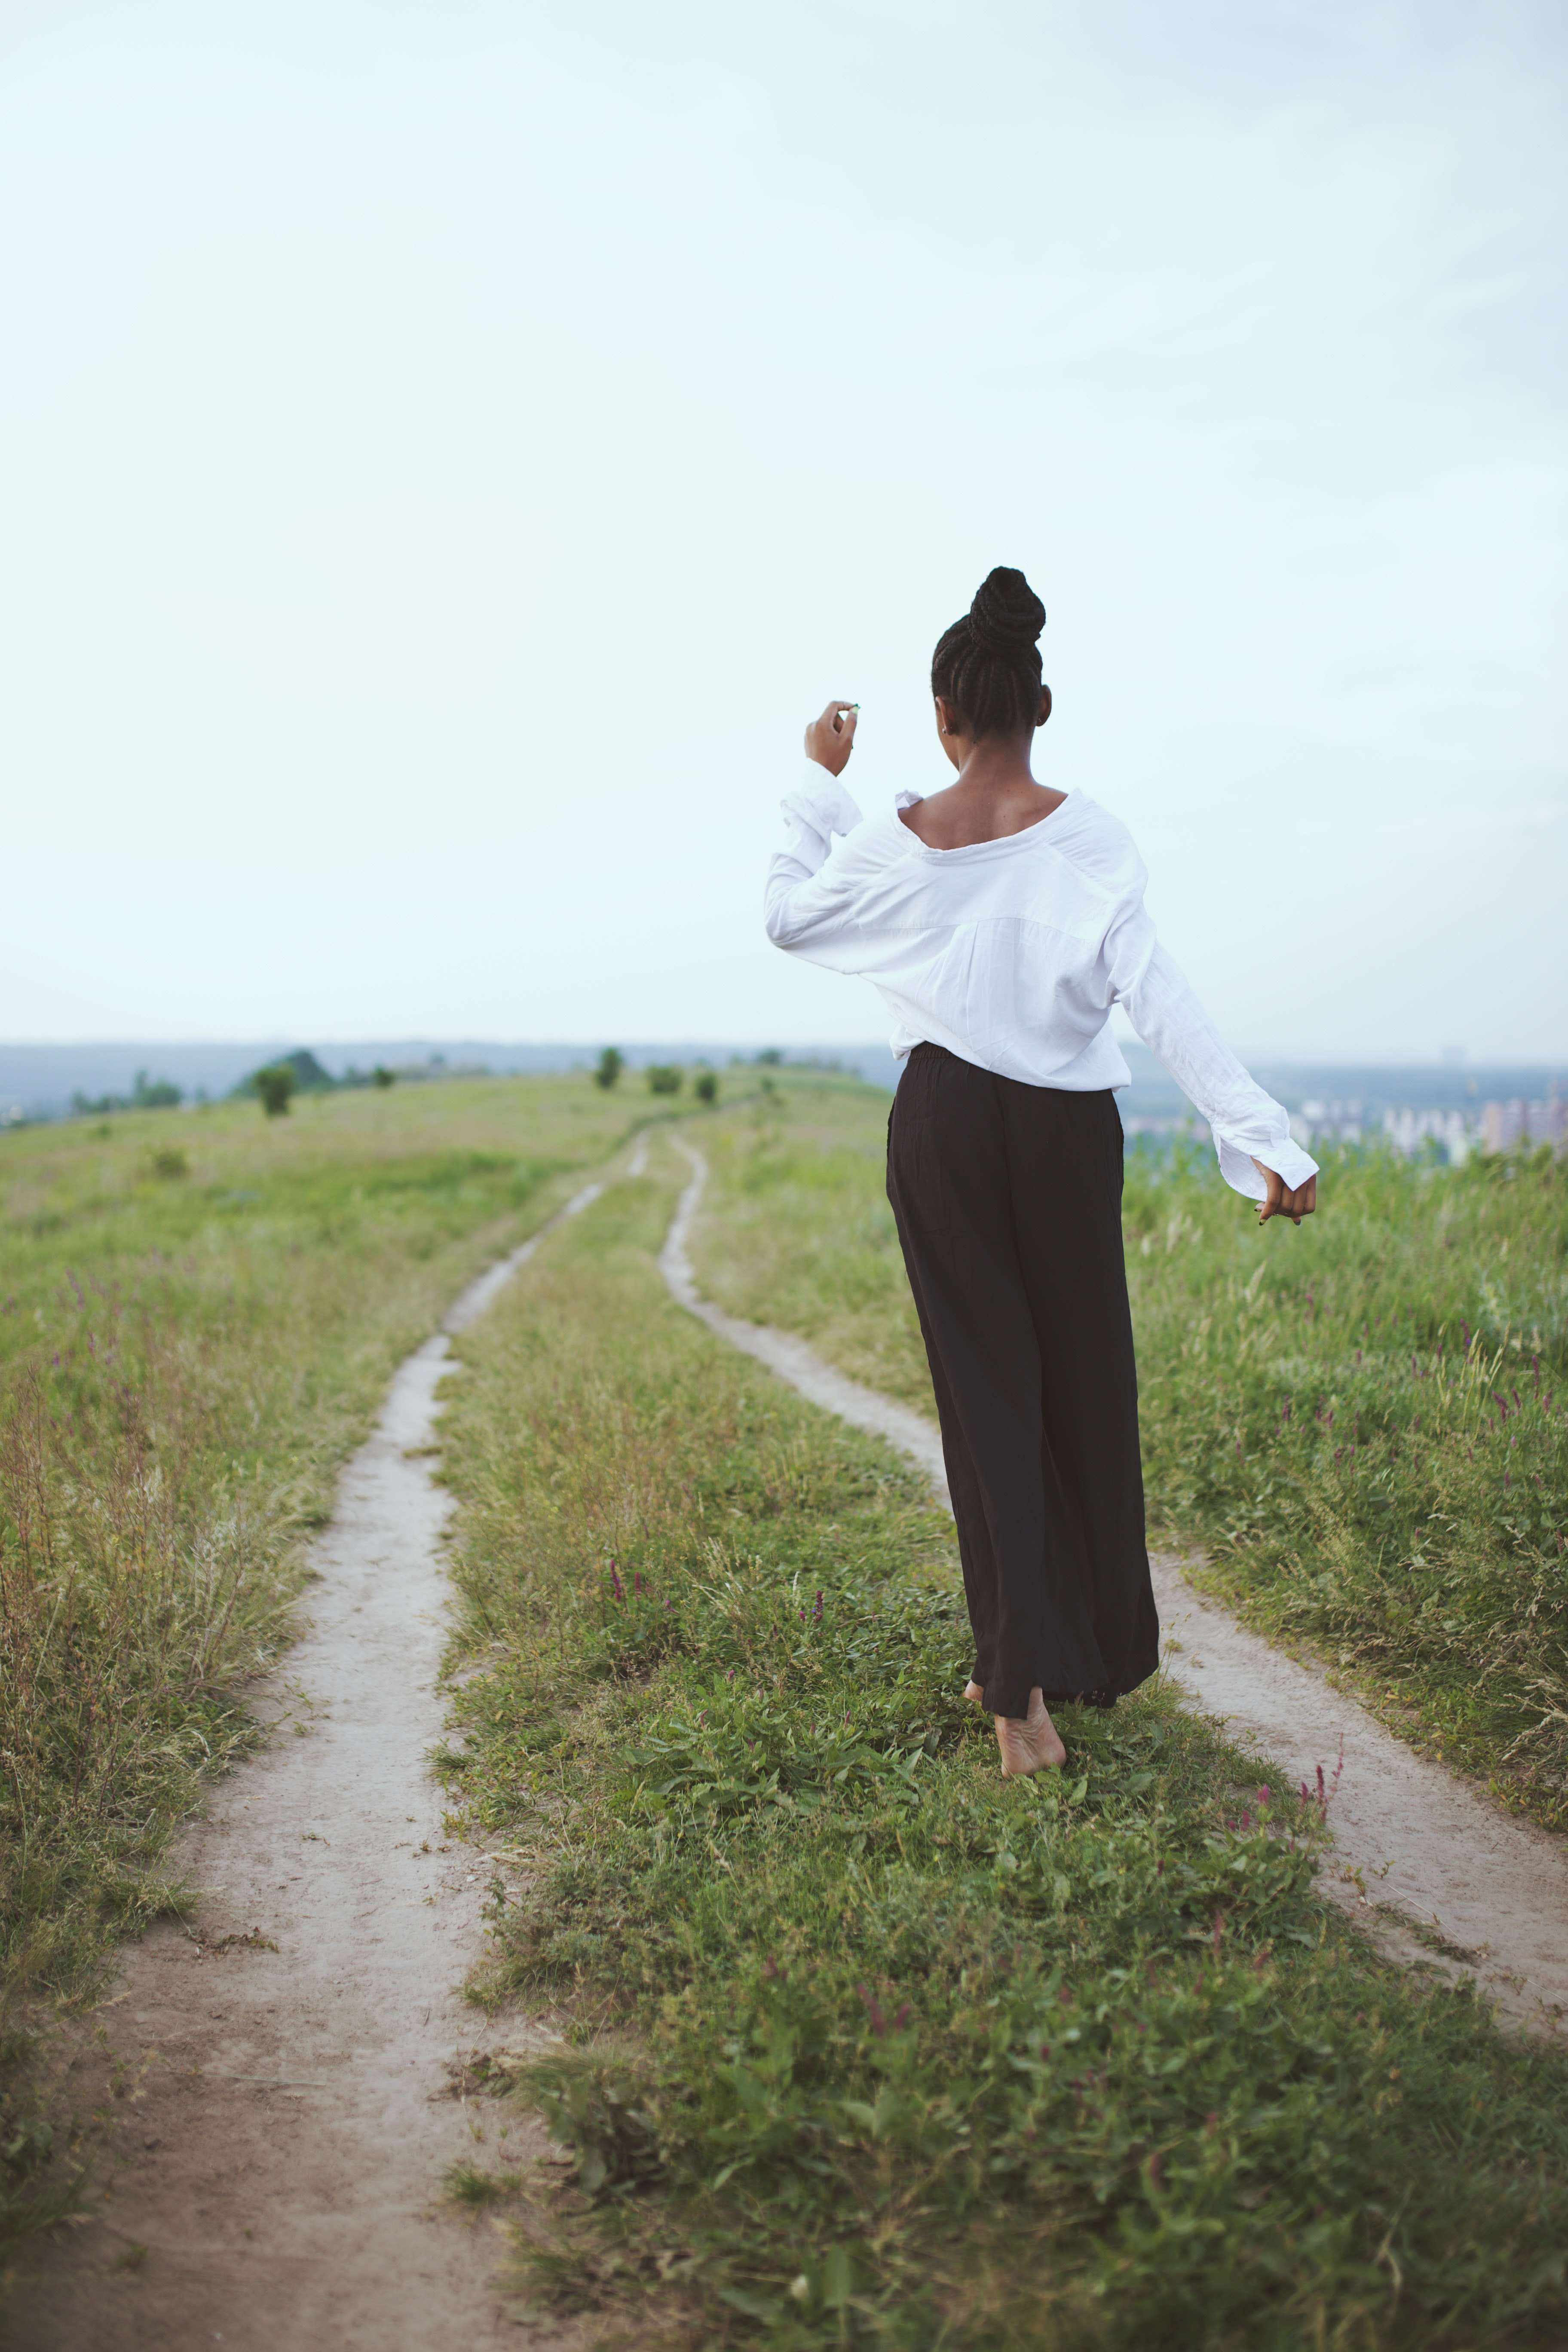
{"type": "Point", "coordinates": [1281, 1201]}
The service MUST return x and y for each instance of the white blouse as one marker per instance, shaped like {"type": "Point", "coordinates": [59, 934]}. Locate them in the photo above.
{"type": "Point", "coordinates": [1011, 953]}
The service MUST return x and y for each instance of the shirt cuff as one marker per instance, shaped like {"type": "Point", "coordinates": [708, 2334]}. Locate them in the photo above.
{"type": "Point", "coordinates": [821, 802]}
{"type": "Point", "coordinates": [1289, 1161]}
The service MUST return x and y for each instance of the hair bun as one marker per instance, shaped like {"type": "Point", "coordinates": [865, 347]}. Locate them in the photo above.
{"type": "Point", "coordinates": [1006, 616]}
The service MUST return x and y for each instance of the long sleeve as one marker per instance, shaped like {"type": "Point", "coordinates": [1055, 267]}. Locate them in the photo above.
{"type": "Point", "coordinates": [1247, 1123]}
{"type": "Point", "coordinates": [796, 905]}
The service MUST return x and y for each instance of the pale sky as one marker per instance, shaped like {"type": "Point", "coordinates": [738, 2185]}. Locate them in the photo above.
{"type": "Point", "coordinates": [447, 450]}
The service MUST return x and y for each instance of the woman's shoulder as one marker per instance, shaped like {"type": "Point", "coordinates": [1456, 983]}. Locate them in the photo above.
{"type": "Point", "coordinates": [1099, 843]}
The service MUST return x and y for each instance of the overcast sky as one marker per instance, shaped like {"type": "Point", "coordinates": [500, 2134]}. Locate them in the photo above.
{"type": "Point", "coordinates": [447, 451]}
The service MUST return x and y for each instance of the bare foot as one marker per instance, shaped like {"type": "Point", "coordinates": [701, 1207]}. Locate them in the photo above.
{"type": "Point", "coordinates": [976, 1691]}
{"type": "Point", "coordinates": [1030, 1744]}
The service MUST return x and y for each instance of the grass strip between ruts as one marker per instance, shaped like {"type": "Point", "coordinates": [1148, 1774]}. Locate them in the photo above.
{"type": "Point", "coordinates": [872, 2047]}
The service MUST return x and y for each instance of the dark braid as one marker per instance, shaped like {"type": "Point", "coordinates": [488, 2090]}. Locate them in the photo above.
{"type": "Point", "coordinates": [988, 664]}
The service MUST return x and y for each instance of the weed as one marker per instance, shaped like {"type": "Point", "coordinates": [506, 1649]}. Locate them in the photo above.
{"type": "Point", "coordinates": [470, 2185]}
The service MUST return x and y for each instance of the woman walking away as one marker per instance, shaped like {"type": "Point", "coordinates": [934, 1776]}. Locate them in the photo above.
{"type": "Point", "coordinates": [1001, 920]}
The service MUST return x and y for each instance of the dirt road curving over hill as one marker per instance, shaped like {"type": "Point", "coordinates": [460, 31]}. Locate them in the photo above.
{"type": "Point", "coordinates": [1414, 1847]}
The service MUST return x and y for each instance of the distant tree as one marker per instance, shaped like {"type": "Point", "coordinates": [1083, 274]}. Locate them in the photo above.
{"type": "Point", "coordinates": [306, 1076]}
{"type": "Point", "coordinates": [707, 1087]}
{"type": "Point", "coordinates": [664, 1078]}
{"type": "Point", "coordinates": [146, 1094]}
{"type": "Point", "coordinates": [383, 1076]}
{"type": "Point", "coordinates": [274, 1084]}
{"type": "Point", "coordinates": [770, 1058]}
{"type": "Point", "coordinates": [609, 1068]}
{"type": "Point", "coordinates": [309, 1078]}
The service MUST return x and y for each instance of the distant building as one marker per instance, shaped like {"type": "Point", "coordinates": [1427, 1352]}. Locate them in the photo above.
{"type": "Point", "coordinates": [1506, 1124]}
{"type": "Point", "coordinates": [1407, 1131]}
{"type": "Point", "coordinates": [1326, 1122]}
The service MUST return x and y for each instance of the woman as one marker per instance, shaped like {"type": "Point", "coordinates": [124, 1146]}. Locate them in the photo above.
{"type": "Point", "coordinates": [1002, 920]}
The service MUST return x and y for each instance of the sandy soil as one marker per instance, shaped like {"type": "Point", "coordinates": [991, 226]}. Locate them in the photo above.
{"type": "Point", "coordinates": [1414, 1846]}
{"type": "Point", "coordinates": [282, 2165]}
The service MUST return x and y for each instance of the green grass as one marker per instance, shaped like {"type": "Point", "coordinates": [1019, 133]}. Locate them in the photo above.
{"type": "Point", "coordinates": [1362, 1423]}
{"type": "Point", "coordinates": [865, 2046]}
{"type": "Point", "coordinates": [198, 1314]}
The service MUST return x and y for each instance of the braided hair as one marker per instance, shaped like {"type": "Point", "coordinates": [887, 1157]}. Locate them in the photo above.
{"type": "Point", "coordinates": [987, 666]}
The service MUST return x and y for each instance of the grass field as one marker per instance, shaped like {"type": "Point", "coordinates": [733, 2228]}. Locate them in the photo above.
{"type": "Point", "coordinates": [198, 1314]}
{"type": "Point", "coordinates": [865, 2046]}
{"type": "Point", "coordinates": [1362, 1423]}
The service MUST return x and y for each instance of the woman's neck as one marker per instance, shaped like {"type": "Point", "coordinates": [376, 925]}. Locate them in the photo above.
{"type": "Point", "coordinates": [993, 795]}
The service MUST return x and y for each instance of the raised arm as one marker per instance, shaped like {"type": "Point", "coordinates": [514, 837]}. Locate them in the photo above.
{"type": "Point", "coordinates": [795, 907]}
{"type": "Point", "coordinates": [1258, 1155]}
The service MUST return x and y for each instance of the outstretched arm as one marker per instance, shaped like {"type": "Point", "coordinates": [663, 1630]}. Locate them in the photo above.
{"type": "Point", "coordinates": [1258, 1154]}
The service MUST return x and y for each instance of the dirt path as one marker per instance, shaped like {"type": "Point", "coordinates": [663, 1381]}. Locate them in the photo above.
{"type": "Point", "coordinates": [281, 2168]}
{"type": "Point", "coordinates": [1413, 1845]}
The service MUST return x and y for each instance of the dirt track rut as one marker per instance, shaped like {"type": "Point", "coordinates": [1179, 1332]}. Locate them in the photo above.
{"type": "Point", "coordinates": [282, 2165]}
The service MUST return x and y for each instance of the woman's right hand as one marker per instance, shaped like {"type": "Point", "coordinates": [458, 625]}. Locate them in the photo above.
{"type": "Point", "coordinates": [1280, 1201]}
{"type": "Point", "coordinates": [830, 739]}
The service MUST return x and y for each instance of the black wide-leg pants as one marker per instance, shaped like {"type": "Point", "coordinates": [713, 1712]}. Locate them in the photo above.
{"type": "Point", "coordinates": [1008, 1202]}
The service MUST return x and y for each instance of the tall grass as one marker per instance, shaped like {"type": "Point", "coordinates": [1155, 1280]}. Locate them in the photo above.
{"type": "Point", "coordinates": [871, 2047]}
{"type": "Point", "coordinates": [1362, 1423]}
{"type": "Point", "coordinates": [191, 1341]}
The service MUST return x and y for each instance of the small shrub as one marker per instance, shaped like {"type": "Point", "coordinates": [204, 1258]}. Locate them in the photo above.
{"type": "Point", "coordinates": [169, 1164]}
{"type": "Point", "coordinates": [275, 1084]}
{"type": "Point", "coordinates": [707, 1087]}
{"type": "Point", "coordinates": [610, 1067]}
{"type": "Point", "coordinates": [383, 1077]}
{"type": "Point", "coordinates": [664, 1078]}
